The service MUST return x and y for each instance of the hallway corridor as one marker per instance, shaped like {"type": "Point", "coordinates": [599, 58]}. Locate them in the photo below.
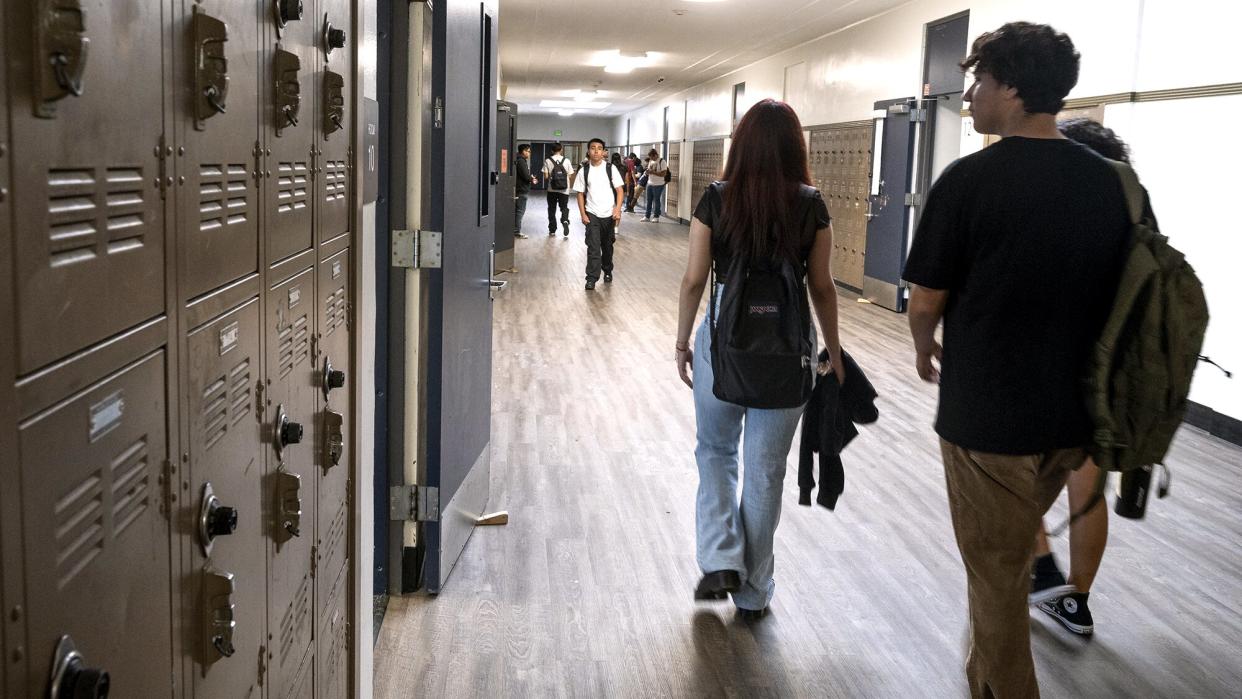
{"type": "Point", "coordinates": [587, 591]}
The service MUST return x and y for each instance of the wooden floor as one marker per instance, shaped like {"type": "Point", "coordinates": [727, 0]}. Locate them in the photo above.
{"type": "Point", "coordinates": [587, 591]}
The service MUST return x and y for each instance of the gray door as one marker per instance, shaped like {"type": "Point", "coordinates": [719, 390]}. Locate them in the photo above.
{"type": "Point", "coordinates": [459, 394]}
{"type": "Point", "coordinates": [888, 231]}
{"type": "Point", "coordinates": [506, 183]}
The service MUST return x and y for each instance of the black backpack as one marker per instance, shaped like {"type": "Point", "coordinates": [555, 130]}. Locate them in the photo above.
{"type": "Point", "coordinates": [761, 335]}
{"type": "Point", "coordinates": [559, 179]}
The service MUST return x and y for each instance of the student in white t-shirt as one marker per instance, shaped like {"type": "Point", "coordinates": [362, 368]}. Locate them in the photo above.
{"type": "Point", "coordinates": [601, 188]}
{"type": "Point", "coordinates": [657, 177]}
{"type": "Point", "coordinates": [558, 174]}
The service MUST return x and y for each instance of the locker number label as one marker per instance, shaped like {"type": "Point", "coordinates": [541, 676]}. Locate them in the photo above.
{"type": "Point", "coordinates": [336, 269]}
{"type": "Point", "coordinates": [228, 337]}
{"type": "Point", "coordinates": [106, 415]}
{"type": "Point", "coordinates": [295, 295]}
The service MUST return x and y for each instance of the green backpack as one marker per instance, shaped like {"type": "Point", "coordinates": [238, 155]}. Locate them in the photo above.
{"type": "Point", "coordinates": [1139, 375]}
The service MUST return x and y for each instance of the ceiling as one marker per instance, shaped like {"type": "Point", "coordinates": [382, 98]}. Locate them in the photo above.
{"type": "Point", "coordinates": [546, 47]}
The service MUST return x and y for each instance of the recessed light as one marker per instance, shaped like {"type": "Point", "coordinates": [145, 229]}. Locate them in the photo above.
{"type": "Point", "coordinates": [570, 104]}
{"type": "Point", "coordinates": [566, 112]}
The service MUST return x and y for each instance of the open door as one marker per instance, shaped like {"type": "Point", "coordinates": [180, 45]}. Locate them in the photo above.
{"type": "Point", "coordinates": [890, 214]}
{"type": "Point", "coordinates": [506, 184]}
{"type": "Point", "coordinates": [440, 339]}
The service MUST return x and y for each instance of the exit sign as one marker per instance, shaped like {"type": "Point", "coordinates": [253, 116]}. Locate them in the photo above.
{"type": "Point", "coordinates": [557, 133]}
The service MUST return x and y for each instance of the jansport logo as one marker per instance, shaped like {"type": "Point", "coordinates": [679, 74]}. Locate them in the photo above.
{"type": "Point", "coordinates": [764, 310]}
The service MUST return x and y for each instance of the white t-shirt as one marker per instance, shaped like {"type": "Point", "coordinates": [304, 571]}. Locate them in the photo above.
{"type": "Point", "coordinates": [654, 166]}
{"type": "Point", "coordinates": [602, 199]}
{"type": "Point", "coordinates": [547, 172]}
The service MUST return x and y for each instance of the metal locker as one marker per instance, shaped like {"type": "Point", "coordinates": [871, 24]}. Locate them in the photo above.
{"type": "Point", "coordinates": [333, 56]}
{"type": "Point", "coordinates": [226, 505]}
{"type": "Point", "coordinates": [96, 529]}
{"type": "Point", "coordinates": [289, 411]}
{"type": "Point", "coordinates": [218, 157]}
{"type": "Point", "coordinates": [332, 460]}
{"type": "Point", "coordinates": [670, 191]}
{"type": "Point", "coordinates": [289, 119]}
{"type": "Point", "coordinates": [88, 171]}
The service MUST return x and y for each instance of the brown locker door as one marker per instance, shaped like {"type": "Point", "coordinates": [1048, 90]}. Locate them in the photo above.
{"type": "Point", "coordinates": [97, 565]}
{"type": "Point", "coordinates": [332, 579]}
{"type": "Point", "coordinates": [333, 58]}
{"type": "Point", "coordinates": [289, 117]}
{"type": "Point", "coordinates": [86, 175]}
{"type": "Point", "coordinates": [218, 102]}
{"type": "Point", "coordinates": [226, 462]}
{"type": "Point", "coordinates": [291, 477]}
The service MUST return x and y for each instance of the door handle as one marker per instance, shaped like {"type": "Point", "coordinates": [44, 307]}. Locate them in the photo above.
{"type": "Point", "coordinates": [62, 44]}
{"type": "Point", "coordinates": [288, 505]}
{"type": "Point", "coordinates": [218, 620]}
{"type": "Point", "coordinates": [333, 102]}
{"type": "Point", "coordinates": [211, 68]}
{"type": "Point", "coordinates": [334, 437]}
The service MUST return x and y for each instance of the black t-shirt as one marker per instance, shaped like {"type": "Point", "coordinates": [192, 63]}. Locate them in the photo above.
{"type": "Point", "coordinates": [1029, 237]}
{"type": "Point", "coordinates": [523, 175]}
{"type": "Point", "coordinates": [812, 215]}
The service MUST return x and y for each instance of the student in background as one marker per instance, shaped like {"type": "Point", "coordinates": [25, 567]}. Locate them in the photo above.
{"type": "Point", "coordinates": [619, 164]}
{"type": "Point", "coordinates": [522, 188]}
{"type": "Point", "coordinates": [557, 173]}
{"type": "Point", "coordinates": [657, 174]}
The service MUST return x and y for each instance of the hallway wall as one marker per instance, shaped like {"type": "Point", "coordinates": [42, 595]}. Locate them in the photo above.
{"type": "Point", "coordinates": [542, 127]}
{"type": "Point", "coordinates": [1127, 46]}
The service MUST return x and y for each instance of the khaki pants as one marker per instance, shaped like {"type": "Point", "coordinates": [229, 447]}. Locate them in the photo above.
{"type": "Point", "coordinates": [996, 502]}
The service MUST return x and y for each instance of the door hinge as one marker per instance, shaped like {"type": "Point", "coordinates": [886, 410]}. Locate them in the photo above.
{"type": "Point", "coordinates": [166, 483]}
{"type": "Point", "coordinates": [314, 561]}
{"type": "Point", "coordinates": [413, 503]}
{"type": "Point", "coordinates": [416, 249]}
{"type": "Point", "coordinates": [437, 113]}
{"type": "Point", "coordinates": [918, 115]}
{"type": "Point", "coordinates": [914, 199]}
{"type": "Point", "coordinates": [257, 174]}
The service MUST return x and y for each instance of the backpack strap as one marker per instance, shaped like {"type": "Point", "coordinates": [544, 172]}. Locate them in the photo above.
{"type": "Point", "coordinates": [1133, 190]}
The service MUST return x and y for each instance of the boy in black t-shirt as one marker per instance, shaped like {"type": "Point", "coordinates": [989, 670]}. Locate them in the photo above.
{"type": "Point", "coordinates": [1019, 250]}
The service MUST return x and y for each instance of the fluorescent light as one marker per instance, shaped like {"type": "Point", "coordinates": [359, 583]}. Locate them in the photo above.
{"type": "Point", "coordinates": [566, 112]}
{"type": "Point", "coordinates": [586, 96]}
{"type": "Point", "coordinates": [618, 61]}
{"type": "Point", "coordinates": [619, 68]}
{"type": "Point", "coordinates": [571, 104]}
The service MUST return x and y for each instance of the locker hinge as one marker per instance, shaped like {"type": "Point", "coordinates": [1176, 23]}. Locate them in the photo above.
{"type": "Point", "coordinates": [257, 174]}
{"type": "Point", "coordinates": [262, 664]}
{"type": "Point", "coordinates": [918, 115]}
{"type": "Point", "coordinates": [437, 113]}
{"type": "Point", "coordinates": [165, 180]}
{"type": "Point", "coordinates": [914, 199]}
{"type": "Point", "coordinates": [166, 488]}
{"type": "Point", "coordinates": [314, 561]}
{"type": "Point", "coordinates": [416, 249]}
{"type": "Point", "coordinates": [413, 503]}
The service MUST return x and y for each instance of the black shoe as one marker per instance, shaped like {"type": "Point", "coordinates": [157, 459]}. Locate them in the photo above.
{"type": "Point", "coordinates": [565, 225]}
{"type": "Point", "coordinates": [520, 236]}
{"type": "Point", "coordinates": [1072, 612]}
{"type": "Point", "coordinates": [751, 614]}
{"type": "Point", "coordinates": [1047, 581]}
{"type": "Point", "coordinates": [717, 585]}
{"type": "Point", "coordinates": [608, 277]}
{"type": "Point", "coordinates": [590, 285]}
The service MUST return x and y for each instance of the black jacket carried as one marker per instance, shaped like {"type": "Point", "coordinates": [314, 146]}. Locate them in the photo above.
{"type": "Point", "coordinates": [828, 425]}
{"type": "Point", "coordinates": [523, 175]}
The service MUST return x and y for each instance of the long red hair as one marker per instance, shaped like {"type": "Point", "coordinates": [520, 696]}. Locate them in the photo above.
{"type": "Point", "coordinates": [767, 166]}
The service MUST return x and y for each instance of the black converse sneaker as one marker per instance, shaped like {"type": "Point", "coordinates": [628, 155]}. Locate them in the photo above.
{"type": "Point", "coordinates": [1071, 611]}
{"type": "Point", "coordinates": [1047, 582]}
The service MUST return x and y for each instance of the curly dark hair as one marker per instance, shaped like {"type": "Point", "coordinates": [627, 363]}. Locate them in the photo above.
{"type": "Point", "coordinates": [1035, 59]}
{"type": "Point", "coordinates": [1095, 136]}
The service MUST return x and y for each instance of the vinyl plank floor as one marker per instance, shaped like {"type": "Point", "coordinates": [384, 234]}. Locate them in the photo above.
{"type": "Point", "coordinates": [587, 591]}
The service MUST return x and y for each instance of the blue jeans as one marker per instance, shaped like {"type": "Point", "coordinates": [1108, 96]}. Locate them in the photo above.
{"type": "Point", "coordinates": [655, 197]}
{"type": "Point", "coordinates": [733, 536]}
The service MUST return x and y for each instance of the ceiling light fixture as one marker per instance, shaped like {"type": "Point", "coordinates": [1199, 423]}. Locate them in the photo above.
{"type": "Point", "coordinates": [618, 61]}
{"type": "Point", "coordinates": [571, 104]}
{"type": "Point", "coordinates": [566, 112]}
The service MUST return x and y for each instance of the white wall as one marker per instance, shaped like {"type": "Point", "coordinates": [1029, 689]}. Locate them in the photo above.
{"type": "Point", "coordinates": [541, 127]}
{"type": "Point", "coordinates": [1180, 148]}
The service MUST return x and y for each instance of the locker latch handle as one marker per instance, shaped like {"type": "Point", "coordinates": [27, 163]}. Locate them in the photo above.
{"type": "Point", "coordinates": [219, 622]}
{"type": "Point", "coordinates": [288, 505]}
{"type": "Point", "coordinates": [211, 67]}
{"type": "Point", "coordinates": [334, 437]}
{"type": "Point", "coordinates": [61, 46]}
{"type": "Point", "coordinates": [288, 90]}
{"type": "Point", "coordinates": [333, 102]}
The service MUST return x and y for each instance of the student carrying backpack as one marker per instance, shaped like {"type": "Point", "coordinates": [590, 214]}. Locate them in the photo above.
{"type": "Point", "coordinates": [559, 178]}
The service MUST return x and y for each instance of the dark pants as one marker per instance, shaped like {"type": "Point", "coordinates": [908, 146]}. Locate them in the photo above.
{"type": "Point", "coordinates": [599, 239]}
{"type": "Point", "coordinates": [555, 199]}
{"type": "Point", "coordinates": [629, 197]}
{"type": "Point", "coordinates": [520, 207]}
